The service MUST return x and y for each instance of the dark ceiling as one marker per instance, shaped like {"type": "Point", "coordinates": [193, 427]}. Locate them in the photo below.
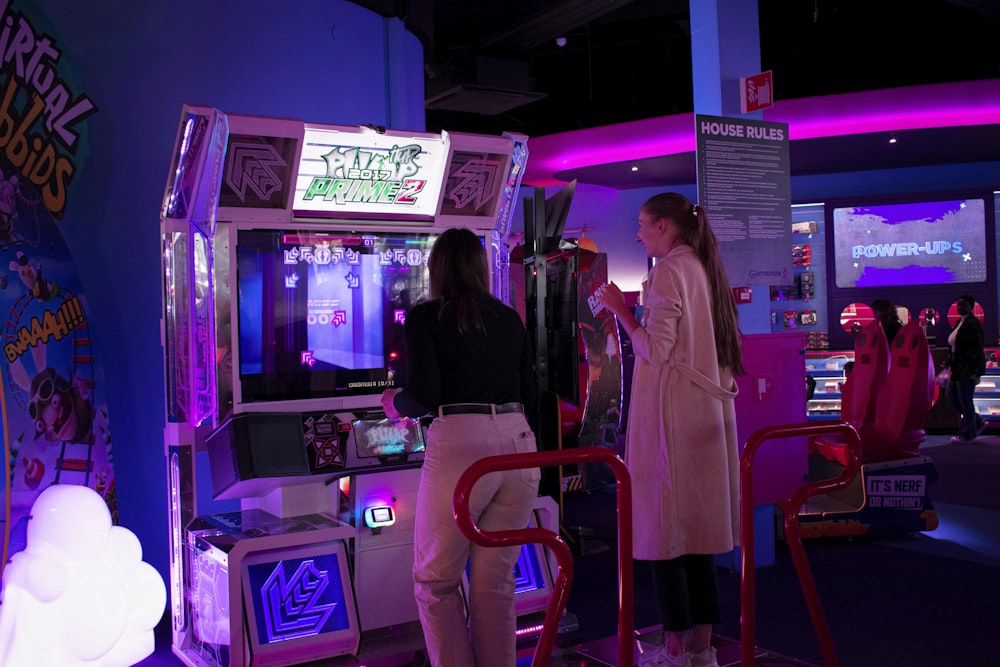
{"type": "Point", "coordinates": [540, 67]}
{"type": "Point", "coordinates": [629, 59]}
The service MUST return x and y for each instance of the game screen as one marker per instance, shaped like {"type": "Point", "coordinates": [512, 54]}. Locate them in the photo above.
{"type": "Point", "coordinates": [529, 572]}
{"type": "Point", "coordinates": [924, 243]}
{"type": "Point", "coordinates": [298, 600]}
{"type": "Point", "coordinates": [379, 438]}
{"type": "Point", "coordinates": [321, 314]}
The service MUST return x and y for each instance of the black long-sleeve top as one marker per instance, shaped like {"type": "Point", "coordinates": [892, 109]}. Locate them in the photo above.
{"type": "Point", "coordinates": [969, 358]}
{"type": "Point", "coordinates": [444, 367]}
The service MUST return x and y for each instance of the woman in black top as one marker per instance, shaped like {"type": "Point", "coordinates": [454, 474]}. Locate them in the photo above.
{"type": "Point", "coordinates": [967, 361]}
{"type": "Point", "coordinates": [469, 365]}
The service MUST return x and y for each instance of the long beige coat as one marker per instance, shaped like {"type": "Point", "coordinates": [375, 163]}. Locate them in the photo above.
{"type": "Point", "coordinates": [681, 445]}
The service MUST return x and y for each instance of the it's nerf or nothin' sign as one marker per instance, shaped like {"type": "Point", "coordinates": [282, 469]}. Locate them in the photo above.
{"type": "Point", "coordinates": [896, 491]}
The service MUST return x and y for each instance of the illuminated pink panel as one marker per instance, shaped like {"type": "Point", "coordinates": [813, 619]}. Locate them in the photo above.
{"type": "Point", "coordinates": [635, 140]}
{"type": "Point", "coordinates": [916, 107]}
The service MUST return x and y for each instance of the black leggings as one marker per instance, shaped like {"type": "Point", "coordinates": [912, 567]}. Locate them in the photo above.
{"type": "Point", "coordinates": [687, 590]}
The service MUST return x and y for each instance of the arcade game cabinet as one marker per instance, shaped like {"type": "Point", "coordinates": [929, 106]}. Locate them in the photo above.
{"type": "Point", "coordinates": [886, 398]}
{"type": "Point", "coordinates": [576, 341]}
{"type": "Point", "coordinates": [291, 253]}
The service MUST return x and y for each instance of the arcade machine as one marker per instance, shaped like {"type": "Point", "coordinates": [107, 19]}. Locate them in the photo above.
{"type": "Point", "coordinates": [577, 345]}
{"type": "Point", "coordinates": [886, 398]}
{"type": "Point", "coordinates": [291, 252]}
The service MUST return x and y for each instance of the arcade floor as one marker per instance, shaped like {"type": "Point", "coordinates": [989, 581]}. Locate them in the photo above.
{"type": "Point", "coordinates": [921, 600]}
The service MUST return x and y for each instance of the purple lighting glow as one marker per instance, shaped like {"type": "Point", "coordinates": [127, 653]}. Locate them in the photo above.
{"type": "Point", "coordinates": [293, 608]}
{"type": "Point", "coordinates": [295, 598]}
{"type": "Point", "coordinates": [527, 571]}
{"type": "Point", "coordinates": [894, 109]}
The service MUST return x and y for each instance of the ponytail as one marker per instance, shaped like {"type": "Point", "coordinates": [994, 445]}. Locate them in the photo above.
{"type": "Point", "coordinates": [725, 315]}
{"type": "Point", "coordinates": [695, 231]}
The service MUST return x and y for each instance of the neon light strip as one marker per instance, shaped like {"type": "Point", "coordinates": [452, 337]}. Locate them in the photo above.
{"type": "Point", "coordinates": [918, 107]}
{"type": "Point", "coordinates": [529, 630]}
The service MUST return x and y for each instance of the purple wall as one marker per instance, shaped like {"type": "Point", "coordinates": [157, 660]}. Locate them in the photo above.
{"type": "Point", "coordinates": [317, 60]}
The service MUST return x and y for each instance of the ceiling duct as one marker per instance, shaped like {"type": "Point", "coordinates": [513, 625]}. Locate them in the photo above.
{"type": "Point", "coordinates": [499, 86]}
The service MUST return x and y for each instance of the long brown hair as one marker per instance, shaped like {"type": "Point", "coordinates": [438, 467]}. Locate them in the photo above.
{"type": "Point", "coordinates": [692, 225]}
{"type": "Point", "coordinates": [460, 273]}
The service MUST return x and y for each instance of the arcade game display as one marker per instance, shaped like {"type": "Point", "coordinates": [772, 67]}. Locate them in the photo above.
{"type": "Point", "coordinates": [291, 253]}
{"type": "Point", "coordinates": [886, 397]}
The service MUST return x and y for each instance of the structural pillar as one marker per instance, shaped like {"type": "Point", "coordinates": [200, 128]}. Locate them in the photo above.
{"type": "Point", "coordinates": [725, 46]}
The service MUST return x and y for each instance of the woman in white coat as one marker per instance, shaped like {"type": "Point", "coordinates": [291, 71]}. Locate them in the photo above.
{"type": "Point", "coordinates": [681, 446]}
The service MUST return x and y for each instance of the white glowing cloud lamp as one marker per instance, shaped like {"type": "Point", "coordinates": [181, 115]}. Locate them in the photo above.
{"type": "Point", "coordinates": [79, 594]}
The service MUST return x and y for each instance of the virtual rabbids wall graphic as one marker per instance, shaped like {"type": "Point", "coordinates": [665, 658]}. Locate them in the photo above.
{"type": "Point", "coordinates": [55, 418]}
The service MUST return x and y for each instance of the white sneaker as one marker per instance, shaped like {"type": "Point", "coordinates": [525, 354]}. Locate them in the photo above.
{"type": "Point", "coordinates": [660, 657]}
{"type": "Point", "coordinates": [704, 658]}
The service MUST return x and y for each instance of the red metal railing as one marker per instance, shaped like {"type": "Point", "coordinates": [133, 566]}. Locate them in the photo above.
{"type": "Point", "coordinates": [550, 539]}
{"type": "Point", "coordinates": [791, 509]}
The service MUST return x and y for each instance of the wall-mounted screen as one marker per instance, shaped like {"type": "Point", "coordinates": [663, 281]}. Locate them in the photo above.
{"type": "Point", "coordinates": [919, 243]}
{"type": "Point", "coordinates": [321, 314]}
{"type": "Point", "coordinates": [919, 252]}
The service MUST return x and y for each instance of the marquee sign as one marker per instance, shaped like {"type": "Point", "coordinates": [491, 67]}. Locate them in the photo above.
{"type": "Point", "coordinates": [369, 174]}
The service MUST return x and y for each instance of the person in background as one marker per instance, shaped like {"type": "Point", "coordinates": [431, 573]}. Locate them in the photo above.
{"type": "Point", "coordinates": [967, 361]}
{"type": "Point", "coordinates": [681, 446]}
{"type": "Point", "coordinates": [469, 365]}
{"type": "Point", "coordinates": [886, 313]}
